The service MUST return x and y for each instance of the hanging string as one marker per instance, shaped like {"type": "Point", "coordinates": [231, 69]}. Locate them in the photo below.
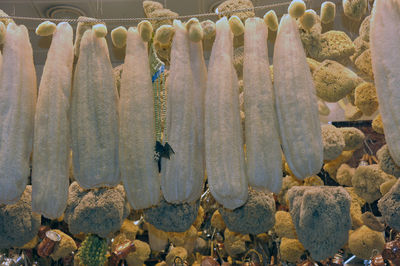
{"type": "Point", "coordinates": [213, 14]}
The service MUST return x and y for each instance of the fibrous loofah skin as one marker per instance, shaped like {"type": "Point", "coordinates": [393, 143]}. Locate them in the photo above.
{"type": "Point", "coordinates": [296, 103]}
{"type": "Point", "coordinates": [322, 218]}
{"type": "Point", "coordinates": [136, 126]}
{"type": "Point", "coordinates": [386, 65]}
{"type": "Point", "coordinates": [95, 134]}
{"type": "Point", "coordinates": [18, 224]}
{"type": "Point", "coordinates": [98, 211]}
{"type": "Point", "coordinates": [256, 216]}
{"type": "Point", "coordinates": [52, 140]}
{"type": "Point", "coordinates": [18, 94]}
{"type": "Point", "coordinates": [389, 206]}
{"type": "Point", "coordinates": [172, 217]}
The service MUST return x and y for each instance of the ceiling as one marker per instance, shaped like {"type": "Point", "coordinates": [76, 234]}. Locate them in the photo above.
{"type": "Point", "coordinates": [116, 9]}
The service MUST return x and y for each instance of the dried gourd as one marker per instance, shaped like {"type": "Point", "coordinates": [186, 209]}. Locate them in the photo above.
{"type": "Point", "coordinates": [94, 116]}
{"type": "Point", "coordinates": [18, 92]}
{"type": "Point", "coordinates": [263, 150]}
{"type": "Point", "coordinates": [182, 174]}
{"type": "Point", "coordinates": [136, 126]}
{"type": "Point", "coordinates": [296, 103]}
{"type": "Point", "coordinates": [386, 67]}
{"type": "Point", "coordinates": [50, 167]}
{"type": "Point", "coordinates": [225, 162]}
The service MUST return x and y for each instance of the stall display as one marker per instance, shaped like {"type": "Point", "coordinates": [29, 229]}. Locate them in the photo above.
{"type": "Point", "coordinates": [253, 135]}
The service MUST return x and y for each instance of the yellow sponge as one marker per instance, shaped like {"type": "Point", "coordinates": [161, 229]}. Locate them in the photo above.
{"type": "Point", "coordinates": [328, 12]}
{"type": "Point", "coordinates": [2, 32]}
{"type": "Point", "coordinates": [145, 30]}
{"type": "Point", "coordinates": [118, 36]}
{"type": "Point", "coordinates": [308, 19]}
{"type": "Point", "coordinates": [164, 34]}
{"type": "Point", "coordinates": [100, 30]}
{"type": "Point", "coordinates": [46, 28]}
{"type": "Point", "coordinates": [236, 25]}
{"type": "Point", "coordinates": [271, 19]}
{"type": "Point", "coordinates": [297, 8]}
{"type": "Point", "coordinates": [195, 30]}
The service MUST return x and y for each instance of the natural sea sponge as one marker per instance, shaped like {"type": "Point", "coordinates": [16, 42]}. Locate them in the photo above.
{"type": "Point", "coordinates": [158, 239]}
{"type": "Point", "coordinates": [172, 217]}
{"type": "Point", "coordinates": [100, 30]}
{"type": "Point", "coordinates": [367, 180]}
{"type": "Point", "coordinates": [334, 81]}
{"type": "Point", "coordinates": [313, 180]}
{"type": "Point", "coordinates": [322, 219]}
{"type": "Point", "coordinates": [352, 112]}
{"type": "Point", "coordinates": [332, 166]}
{"type": "Point", "coordinates": [363, 242]}
{"type": "Point", "coordinates": [84, 24]}
{"type": "Point", "coordinates": [119, 36]}
{"type": "Point", "coordinates": [145, 30]}
{"type": "Point", "coordinates": [344, 175]}
{"type": "Point", "coordinates": [238, 56]}
{"type": "Point", "coordinates": [385, 187]}
{"type": "Point", "coordinates": [364, 28]}
{"type": "Point", "coordinates": [154, 9]}
{"type": "Point", "coordinates": [64, 247]}
{"type": "Point", "coordinates": [355, 9]}
{"type": "Point", "coordinates": [140, 255]}
{"type": "Point", "coordinates": [386, 162]}
{"type": "Point", "coordinates": [360, 46]}
{"type": "Point", "coordinates": [186, 239]}
{"type": "Point", "coordinates": [354, 197]}
{"type": "Point", "coordinates": [117, 71]}
{"type": "Point", "coordinates": [372, 222]}
{"type": "Point", "coordinates": [217, 221]}
{"type": "Point", "coordinates": [287, 183]}
{"type": "Point", "coordinates": [389, 206]}
{"type": "Point", "coordinates": [236, 25]}
{"type": "Point", "coordinates": [129, 229]}
{"type": "Point", "coordinates": [227, 8]}
{"type": "Point", "coordinates": [323, 109]}
{"type": "Point", "coordinates": [377, 124]}
{"type": "Point", "coordinates": [271, 19]}
{"type": "Point", "coordinates": [364, 63]}
{"type": "Point", "coordinates": [308, 19]}
{"type": "Point", "coordinates": [18, 224]}
{"type": "Point", "coordinates": [235, 243]}
{"type": "Point", "coordinates": [297, 8]}
{"type": "Point", "coordinates": [46, 28]}
{"type": "Point", "coordinates": [200, 218]}
{"type": "Point", "coordinates": [175, 252]}
{"type": "Point", "coordinates": [3, 31]}
{"type": "Point", "coordinates": [353, 137]}
{"type": "Point", "coordinates": [291, 250]}
{"type": "Point", "coordinates": [336, 45]}
{"type": "Point", "coordinates": [356, 215]}
{"type": "Point", "coordinates": [98, 211]}
{"type": "Point", "coordinates": [328, 12]}
{"type": "Point", "coordinates": [284, 226]}
{"type": "Point", "coordinates": [332, 140]}
{"type": "Point", "coordinates": [256, 216]}
{"type": "Point", "coordinates": [311, 39]}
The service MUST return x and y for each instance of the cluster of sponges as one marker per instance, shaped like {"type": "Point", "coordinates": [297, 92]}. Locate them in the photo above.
{"type": "Point", "coordinates": [97, 211]}
{"type": "Point", "coordinates": [18, 224]}
{"type": "Point", "coordinates": [321, 216]}
{"type": "Point", "coordinates": [256, 216]}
